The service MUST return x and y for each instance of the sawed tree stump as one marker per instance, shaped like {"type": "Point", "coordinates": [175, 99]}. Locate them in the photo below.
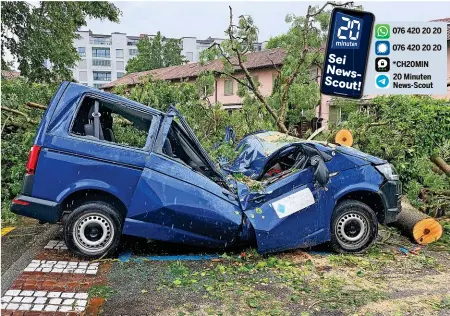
{"type": "Point", "coordinates": [422, 228]}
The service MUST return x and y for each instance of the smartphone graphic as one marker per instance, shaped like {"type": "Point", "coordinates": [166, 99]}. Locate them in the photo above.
{"type": "Point", "coordinates": [347, 53]}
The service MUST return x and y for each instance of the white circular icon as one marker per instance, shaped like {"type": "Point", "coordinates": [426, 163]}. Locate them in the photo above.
{"type": "Point", "coordinates": [382, 48]}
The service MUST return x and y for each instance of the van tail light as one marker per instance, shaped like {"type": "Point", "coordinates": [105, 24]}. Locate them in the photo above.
{"type": "Point", "coordinates": [32, 159]}
{"type": "Point", "coordinates": [20, 202]}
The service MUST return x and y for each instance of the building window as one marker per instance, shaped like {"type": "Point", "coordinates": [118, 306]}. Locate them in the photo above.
{"type": "Point", "coordinates": [228, 87]}
{"type": "Point", "coordinates": [82, 64]}
{"type": "Point", "coordinates": [120, 65]}
{"type": "Point", "coordinates": [190, 56]}
{"type": "Point", "coordinates": [102, 76]}
{"type": "Point", "coordinates": [120, 75]}
{"type": "Point", "coordinates": [101, 40]}
{"type": "Point", "coordinates": [101, 62]}
{"type": "Point", "coordinates": [101, 52]}
{"type": "Point", "coordinates": [132, 41]}
{"type": "Point", "coordinates": [81, 51]}
{"type": "Point", "coordinates": [98, 85]}
{"type": "Point", "coordinates": [119, 53]}
{"type": "Point", "coordinates": [335, 115]}
{"type": "Point", "coordinates": [133, 52]}
{"type": "Point", "coordinates": [82, 76]}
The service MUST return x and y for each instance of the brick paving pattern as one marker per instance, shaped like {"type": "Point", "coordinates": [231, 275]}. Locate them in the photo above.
{"type": "Point", "coordinates": [55, 283]}
{"type": "Point", "coordinates": [56, 245]}
{"type": "Point", "coordinates": [62, 267]}
{"type": "Point", "coordinates": [44, 301]}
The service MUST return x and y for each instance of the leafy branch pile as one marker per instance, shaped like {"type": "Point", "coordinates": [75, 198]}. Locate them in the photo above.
{"type": "Point", "coordinates": [408, 131]}
{"type": "Point", "coordinates": [18, 132]}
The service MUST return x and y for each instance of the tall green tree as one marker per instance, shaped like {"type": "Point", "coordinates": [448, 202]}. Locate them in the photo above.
{"type": "Point", "coordinates": [45, 32]}
{"type": "Point", "coordinates": [156, 52]}
{"type": "Point", "coordinates": [296, 89]}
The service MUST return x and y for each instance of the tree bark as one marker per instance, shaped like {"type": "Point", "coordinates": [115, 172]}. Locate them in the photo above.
{"type": "Point", "coordinates": [441, 164]}
{"type": "Point", "coordinates": [422, 228]}
{"type": "Point", "coordinates": [36, 105]}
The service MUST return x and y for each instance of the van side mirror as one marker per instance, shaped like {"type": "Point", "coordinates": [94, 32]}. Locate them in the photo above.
{"type": "Point", "coordinates": [321, 174]}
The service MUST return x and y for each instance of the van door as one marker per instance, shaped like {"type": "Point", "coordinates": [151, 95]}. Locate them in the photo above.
{"type": "Point", "coordinates": [288, 213]}
{"type": "Point", "coordinates": [175, 201]}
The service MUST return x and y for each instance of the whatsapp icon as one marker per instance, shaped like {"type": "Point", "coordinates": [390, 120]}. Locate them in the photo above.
{"type": "Point", "coordinates": [382, 31]}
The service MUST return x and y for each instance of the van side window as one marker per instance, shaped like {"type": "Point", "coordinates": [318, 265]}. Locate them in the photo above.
{"type": "Point", "coordinates": [111, 122]}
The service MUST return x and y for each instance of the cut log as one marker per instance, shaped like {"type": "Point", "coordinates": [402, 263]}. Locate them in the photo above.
{"type": "Point", "coordinates": [422, 228]}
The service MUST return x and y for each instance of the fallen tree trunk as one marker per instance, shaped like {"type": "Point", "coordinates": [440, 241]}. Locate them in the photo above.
{"type": "Point", "coordinates": [441, 164]}
{"type": "Point", "coordinates": [422, 228]}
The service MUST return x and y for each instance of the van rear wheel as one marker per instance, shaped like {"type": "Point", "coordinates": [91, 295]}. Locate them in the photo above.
{"type": "Point", "coordinates": [354, 227]}
{"type": "Point", "coordinates": [93, 229]}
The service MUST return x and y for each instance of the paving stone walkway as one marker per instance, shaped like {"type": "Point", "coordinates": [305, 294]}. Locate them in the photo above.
{"type": "Point", "coordinates": [55, 283]}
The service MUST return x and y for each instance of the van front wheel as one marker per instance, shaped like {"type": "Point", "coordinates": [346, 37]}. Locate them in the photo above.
{"type": "Point", "coordinates": [93, 229]}
{"type": "Point", "coordinates": [354, 227]}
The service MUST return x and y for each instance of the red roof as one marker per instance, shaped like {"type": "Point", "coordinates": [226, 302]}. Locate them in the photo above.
{"type": "Point", "coordinates": [262, 59]}
{"type": "Point", "coordinates": [10, 74]}
{"type": "Point", "coordinates": [446, 20]}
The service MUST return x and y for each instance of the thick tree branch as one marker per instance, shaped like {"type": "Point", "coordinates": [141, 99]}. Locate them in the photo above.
{"type": "Point", "coordinates": [273, 64]}
{"type": "Point", "coordinates": [4, 108]}
{"type": "Point", "coordinates": [36, 105]}
{"type": "Point", "coordinates": [222, 53]}
{"type": "Point", "coordinates": [334, 4]}
{"type": "Point", "coordinates": [254, 88]}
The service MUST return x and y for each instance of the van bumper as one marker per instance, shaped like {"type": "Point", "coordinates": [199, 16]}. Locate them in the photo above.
{"type": "Point", "coordinates": [391, 195]}
{"type": "Point", "coordinates": [42, 210]}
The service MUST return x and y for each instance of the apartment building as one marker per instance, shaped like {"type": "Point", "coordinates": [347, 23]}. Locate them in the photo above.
{"type": "Point", "coordinates": [104, 57]}
{"type": "Point", "coordinates": [192, 47]}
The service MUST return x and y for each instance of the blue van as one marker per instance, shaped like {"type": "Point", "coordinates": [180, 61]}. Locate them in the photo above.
{"type": "Point", "coordinates": [89, 173]}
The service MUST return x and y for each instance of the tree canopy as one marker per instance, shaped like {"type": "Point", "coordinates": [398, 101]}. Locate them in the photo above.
{"type": "Point", "coordinates": [156, 52]}
{"type": "Point", "coordinates": [296, 91]}
{"type": "Point", "coordinates": [45, 32]}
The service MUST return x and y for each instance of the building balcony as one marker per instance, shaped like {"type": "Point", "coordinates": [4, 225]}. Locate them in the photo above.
{"type": "Point", "coordinates": [100, 42]}
{"type": "Point", "coordinates": [101, 63]}
{"type": "Point", "coordinates": [100, 56]}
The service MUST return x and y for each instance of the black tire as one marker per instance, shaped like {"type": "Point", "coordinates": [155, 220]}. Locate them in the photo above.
{"type": "Point", "coordinates": [91, 223]}
{"type": "Point", "coordinates": [354, 227]}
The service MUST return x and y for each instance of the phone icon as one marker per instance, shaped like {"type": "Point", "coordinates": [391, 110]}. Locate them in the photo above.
{"type": "Point", "coordinates": [382, 31]}
{"type": "Point", "coordinates": [348, 46]}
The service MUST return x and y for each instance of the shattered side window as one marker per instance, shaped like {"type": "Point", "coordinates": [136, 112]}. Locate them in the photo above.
{"type": "Point", "coordinates": [117, 124]}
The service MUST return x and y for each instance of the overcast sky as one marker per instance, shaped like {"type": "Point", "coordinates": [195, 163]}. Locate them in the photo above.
{"type": "Point", "coordinates": [204, 19]}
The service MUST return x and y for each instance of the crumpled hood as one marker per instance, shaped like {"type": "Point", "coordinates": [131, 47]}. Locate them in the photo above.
{"type": "Point", "coordinates": [255, 149]}
{"type": "Point", "coordinates": [359, 154]}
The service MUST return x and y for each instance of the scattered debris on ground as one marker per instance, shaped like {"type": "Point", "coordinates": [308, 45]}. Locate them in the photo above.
{"type": "Point", "coordinates": [395, 277]}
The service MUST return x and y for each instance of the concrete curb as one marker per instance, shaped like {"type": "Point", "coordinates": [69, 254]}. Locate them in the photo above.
{"type": "Point", "coordinates": [17, 268]}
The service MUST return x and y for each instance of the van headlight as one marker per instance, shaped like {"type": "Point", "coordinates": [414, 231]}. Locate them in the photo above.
{"type": "Point", "coordinates": [388, 171]}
